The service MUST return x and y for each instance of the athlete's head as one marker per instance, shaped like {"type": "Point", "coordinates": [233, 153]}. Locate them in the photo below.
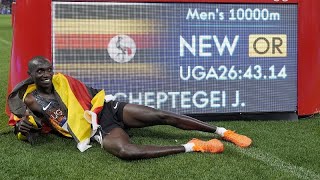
{"type": "Point", "coordinates": [40, 70]}
{"type": "Point", "coordinates": [37, 61]}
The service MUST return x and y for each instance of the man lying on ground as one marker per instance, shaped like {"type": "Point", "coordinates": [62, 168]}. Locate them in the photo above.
{"type": "Point", "coordinates": [69, 107]}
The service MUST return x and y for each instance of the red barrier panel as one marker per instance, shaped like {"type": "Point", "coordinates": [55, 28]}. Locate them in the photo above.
{"type": "Point", "coordinates": [308, 57]}
{"type": "Point", "coordinates": [31, 37]}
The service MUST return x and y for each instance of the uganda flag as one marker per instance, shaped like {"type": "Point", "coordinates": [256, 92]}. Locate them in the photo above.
{"type": "Point", "coordinates": [75, 96]}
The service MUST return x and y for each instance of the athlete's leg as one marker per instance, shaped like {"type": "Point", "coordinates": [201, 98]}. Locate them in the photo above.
{"type": "Point", "coordinates": [142, 116]}
{"type": "Point", "coordinates": [117, 142]}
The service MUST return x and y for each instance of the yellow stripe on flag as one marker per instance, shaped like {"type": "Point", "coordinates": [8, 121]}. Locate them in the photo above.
{"type": "Point", "coordinates": [106, 68]}
{"type": "Point", "coordinates": [96, 101]}
{"type": "Point", "coordinates": [101, 26]}
{"type": "Point", "coordinates": [30, 88]}
{"type": "Point", "coordinates": [76, 122]}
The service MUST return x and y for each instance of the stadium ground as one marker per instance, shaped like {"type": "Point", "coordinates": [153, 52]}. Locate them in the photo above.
{"type": "Point", "coordinates": [281, 149]}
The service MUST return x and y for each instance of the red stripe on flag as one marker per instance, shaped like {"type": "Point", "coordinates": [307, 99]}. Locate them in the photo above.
{"type": "Point", "coordinates": [101, 41]}
{"type": "Point", "coordinates": [81, 92]}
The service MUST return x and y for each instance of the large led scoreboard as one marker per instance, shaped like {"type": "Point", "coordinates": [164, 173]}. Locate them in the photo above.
{"type": "Point", "coordinates": [182, 56]}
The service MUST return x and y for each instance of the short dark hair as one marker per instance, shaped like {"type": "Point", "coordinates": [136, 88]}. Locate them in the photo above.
{"type": "Point", "coordinates": [36, 61]}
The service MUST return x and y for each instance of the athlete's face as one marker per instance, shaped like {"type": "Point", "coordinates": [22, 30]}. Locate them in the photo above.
{"type": "Point", "coordinates": [42, 75]}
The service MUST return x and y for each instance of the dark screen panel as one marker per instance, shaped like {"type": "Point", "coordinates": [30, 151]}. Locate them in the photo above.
{"type": "Point", "coordinates": [182, 57]}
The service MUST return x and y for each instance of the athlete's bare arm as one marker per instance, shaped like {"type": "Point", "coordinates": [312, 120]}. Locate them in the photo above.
{"type": "Point", "coordinates": [25, 126]}
{"type": "Point", "coordinates": [32, 104]}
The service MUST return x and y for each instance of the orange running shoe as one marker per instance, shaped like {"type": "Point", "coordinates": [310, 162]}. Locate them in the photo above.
{"type": "Point", "coordinates": [212, 146]}
{"type": "Point", "coordinates": [237, 139]}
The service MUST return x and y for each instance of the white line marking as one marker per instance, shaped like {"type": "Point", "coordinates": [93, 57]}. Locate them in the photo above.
{"type": "Point", "coordinates": [276, 162]}
{"type": "Point", "coordinates": [5, 42]}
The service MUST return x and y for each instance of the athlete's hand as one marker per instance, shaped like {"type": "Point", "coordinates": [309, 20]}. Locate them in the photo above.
{"type": "Point", "coordinates": [25, 126]}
